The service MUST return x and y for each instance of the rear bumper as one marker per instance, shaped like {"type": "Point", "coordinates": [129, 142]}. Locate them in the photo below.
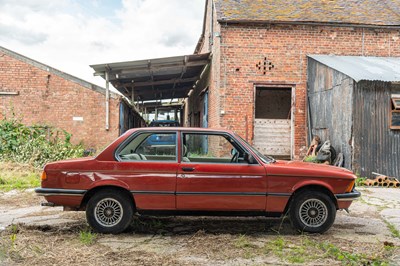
{"type": "Point", "coordinates": [59, 192]}
{"type": "Point", "coordinates": [354, 194]}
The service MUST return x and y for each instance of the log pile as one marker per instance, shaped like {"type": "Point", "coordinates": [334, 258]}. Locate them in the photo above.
{"type": "Point", "coordinates": [382, 181]}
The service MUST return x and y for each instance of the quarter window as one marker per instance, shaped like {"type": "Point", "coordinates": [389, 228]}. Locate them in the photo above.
{"type": "Point", "coordinates": [150, 147]}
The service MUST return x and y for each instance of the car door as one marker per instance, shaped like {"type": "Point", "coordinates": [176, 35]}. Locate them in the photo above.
{"type": "Point", "coordinates": [214, 176]}
{"type": "Point", "coordinates": [148, 164]}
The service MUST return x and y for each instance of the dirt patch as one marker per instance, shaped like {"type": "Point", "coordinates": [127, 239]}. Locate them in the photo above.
{"type": "Point", "coordinates": [356, 238]}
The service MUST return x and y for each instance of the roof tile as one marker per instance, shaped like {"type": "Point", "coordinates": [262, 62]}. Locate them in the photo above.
{"type": "Point", "coordinates": [361, 12]}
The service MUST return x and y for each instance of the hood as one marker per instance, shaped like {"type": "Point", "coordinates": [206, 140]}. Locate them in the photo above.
{"type": "Point", "coordinates": [299, 168]}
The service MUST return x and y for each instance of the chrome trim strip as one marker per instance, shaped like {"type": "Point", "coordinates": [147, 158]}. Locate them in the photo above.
{"type": "Point", "coordinates": [305, 176]}
{"type": "Point", "coordinates": [223, 193]}
{"type": "Point", "coordinates": [188, 193]}
{"type": "Point", "coordinates": [152, 192]}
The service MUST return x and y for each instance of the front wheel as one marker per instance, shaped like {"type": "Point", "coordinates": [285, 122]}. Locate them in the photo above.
{"type": "Point", "coordinates": [109, 212]}
{"type": "Point", "coordinates": [312, 211]}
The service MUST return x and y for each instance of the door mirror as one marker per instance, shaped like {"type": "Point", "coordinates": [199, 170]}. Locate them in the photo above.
{"type": "Point", "coordinates": [249, 158]}
{"type": "Point", "coordinates": [233, 151]}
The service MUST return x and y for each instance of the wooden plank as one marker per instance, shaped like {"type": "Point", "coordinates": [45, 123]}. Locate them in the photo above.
{"type": "Point", "coordinates": [272, 136]}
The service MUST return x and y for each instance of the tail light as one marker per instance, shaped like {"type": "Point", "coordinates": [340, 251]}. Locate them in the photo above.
{"type": "Point", "coordinates": [43, 177]}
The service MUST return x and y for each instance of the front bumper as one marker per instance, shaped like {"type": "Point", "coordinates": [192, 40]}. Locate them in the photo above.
{"type": "Point", "coordinates": [354, 194]}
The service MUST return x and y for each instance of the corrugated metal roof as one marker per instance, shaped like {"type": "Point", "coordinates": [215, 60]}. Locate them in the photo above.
{"type": "Point", "coordinates": [362, 67]}
{"type": "Point", "coordinates": [361, 12]}
{"type": "Point", "coordinates": [155, 79]}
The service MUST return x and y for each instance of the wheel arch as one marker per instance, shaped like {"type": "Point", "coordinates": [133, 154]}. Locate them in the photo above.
{"type": "Point", "coordinates": [311, 187]}
{"type": "Point", "coordinates": [97, 189]}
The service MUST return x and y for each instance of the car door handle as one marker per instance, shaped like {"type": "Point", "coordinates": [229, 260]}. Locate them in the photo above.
{"type": "Point", "coordinates": [188, 169]}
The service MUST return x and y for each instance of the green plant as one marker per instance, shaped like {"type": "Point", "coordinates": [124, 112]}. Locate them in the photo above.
{"type": "Point", "coordinates": [243, 242]}
{"type": "Point", "coordinates": [392, 229]}
{"type": "Point", "coordinates": [87, 238]}
{"type": "Point", "coordinates": [311, 159]}
{"type": "Point", "coordinates": [349, 258]}
{"type": "Point", "coordinates": [360, 181]}
{"type": "Point", "coordinates": [35, 145]}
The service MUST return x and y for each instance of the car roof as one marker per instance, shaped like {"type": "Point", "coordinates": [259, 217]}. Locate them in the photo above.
{"type": "Point", "coordinates": [192, 129]}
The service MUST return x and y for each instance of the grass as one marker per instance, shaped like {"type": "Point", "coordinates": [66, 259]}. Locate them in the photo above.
{"type": "Point", "coordinates": [87, 238]}
{"type": "Point", "coordinates": [360, 181]}
{"type": "Point", "coordinates": [306, 250]}
{"type": "Point", "coordinates": [18, 176]}
{"type": "Point", "coordinates": [393, 230]}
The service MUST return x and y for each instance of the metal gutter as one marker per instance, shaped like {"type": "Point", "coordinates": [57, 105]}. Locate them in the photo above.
{"type": "Point", "coordinates": [310, 23]}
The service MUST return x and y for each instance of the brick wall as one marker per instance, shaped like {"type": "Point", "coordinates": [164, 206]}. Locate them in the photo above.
{"type": "Point", "coordinates": [238, 48]}
{"type": "Point", "coordinates": [49, 99]}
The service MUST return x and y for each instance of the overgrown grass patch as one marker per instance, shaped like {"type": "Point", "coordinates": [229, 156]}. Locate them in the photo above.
{"type": "Point", "coordinates": [35, 145]}
{"type": "Point", "coordinates": [87, 238]}
{"type": "Point", "coordinates": [393, 230]}
{"type": "Point", "coordinates": [306, 250]}
{"type": "Point", "coordinates": [18, 176]}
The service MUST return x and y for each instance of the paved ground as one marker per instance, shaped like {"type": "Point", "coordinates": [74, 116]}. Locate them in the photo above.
{"type": "Point", "coordinates": [380, 203]}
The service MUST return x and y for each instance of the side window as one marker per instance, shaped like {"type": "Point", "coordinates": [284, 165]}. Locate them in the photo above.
{"type": "Point", "coordinates": [210, 148]}
{"type": "Point", "coordinates": [150, 147]}
{"type": "Point", "coordinates": [395, 112]}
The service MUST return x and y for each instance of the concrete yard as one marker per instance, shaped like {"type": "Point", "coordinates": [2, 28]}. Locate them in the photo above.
{"type": "Point", "coordinates": [31, 234]}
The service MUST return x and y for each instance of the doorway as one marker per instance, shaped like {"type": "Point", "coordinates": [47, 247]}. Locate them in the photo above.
{"type": "Point", "coordinates": [273, 118]}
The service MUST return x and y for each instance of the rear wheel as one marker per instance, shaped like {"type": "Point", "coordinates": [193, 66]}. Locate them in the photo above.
{"type": "Point", "coordinates": [312, 211]}
{"type": "Point", "coordinates": [109, 211]}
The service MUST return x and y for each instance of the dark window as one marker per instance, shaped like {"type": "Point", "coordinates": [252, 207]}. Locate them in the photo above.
{"type": "Point", "coordinates": [395, 112]}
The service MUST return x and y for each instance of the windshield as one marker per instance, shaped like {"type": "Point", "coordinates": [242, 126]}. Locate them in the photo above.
{"type": "Point", "coordinates": [264, 158]}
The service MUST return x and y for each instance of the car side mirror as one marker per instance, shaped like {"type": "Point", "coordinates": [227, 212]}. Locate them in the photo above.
{"type": "Point", "coordinates": [249, 158]}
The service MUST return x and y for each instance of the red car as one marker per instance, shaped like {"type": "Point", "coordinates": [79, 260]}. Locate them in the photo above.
{"type": "Point", "coordinates": [197, 171]}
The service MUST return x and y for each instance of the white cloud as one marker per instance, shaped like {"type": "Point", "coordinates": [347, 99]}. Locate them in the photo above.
{"type": "Point", "coordinates": [71, 34]}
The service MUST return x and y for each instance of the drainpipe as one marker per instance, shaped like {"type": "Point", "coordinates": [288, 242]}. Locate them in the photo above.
{"type": "Point", "coordinates": [107, 101]}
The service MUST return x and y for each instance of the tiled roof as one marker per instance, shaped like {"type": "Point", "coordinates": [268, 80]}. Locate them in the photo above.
{"type": "Point", "coordinates": [362, 12]}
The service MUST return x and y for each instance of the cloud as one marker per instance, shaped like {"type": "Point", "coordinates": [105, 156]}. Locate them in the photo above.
{"type": "Point", "coordinates": [71, 35]}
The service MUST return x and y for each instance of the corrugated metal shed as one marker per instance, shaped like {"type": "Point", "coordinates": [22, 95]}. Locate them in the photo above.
{"type": "Point", "coordinates": [363, 68]}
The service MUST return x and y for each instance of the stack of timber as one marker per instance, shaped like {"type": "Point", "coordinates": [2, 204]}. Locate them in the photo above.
{"type": "Point", "coordinates": [382, 181]}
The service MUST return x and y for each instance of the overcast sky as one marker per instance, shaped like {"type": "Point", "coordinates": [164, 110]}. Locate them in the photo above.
{"type": "Point", "coordinates": [70, 35]}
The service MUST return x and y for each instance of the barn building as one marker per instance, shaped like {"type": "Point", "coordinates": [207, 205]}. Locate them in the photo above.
{"type": "Point", "coordinates": [256, 82]}
{"type": "Point", "coordinates": [250, 67]}
{"type": "Point", "coordinates": [41, 95]}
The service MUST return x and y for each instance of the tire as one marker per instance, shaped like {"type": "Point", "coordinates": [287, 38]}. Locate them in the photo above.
{"type": "Point", "coordinates": [109, 212]}
{"type": "Point", "coordinates": [312, 211]}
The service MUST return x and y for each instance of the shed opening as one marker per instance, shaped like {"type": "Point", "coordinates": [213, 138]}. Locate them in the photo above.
{"type": "Point", "coordinates": [272, 123]}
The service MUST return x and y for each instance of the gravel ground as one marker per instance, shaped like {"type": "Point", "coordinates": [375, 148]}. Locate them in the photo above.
{"type": "Point", "coordinates": [32, 235]}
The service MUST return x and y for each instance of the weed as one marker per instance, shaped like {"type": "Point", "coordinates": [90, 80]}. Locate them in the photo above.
{"type": "Point", "coordinates": [392, 229]}
{"type": "Point", "coordinates": [17, 176]}
{"type": "Point", "coordinates": [243, 242]}
{"type": "Point", "coordinates": [348, 258]}
{"type": "Point", "coordinates": [311, 159]}
{"type": "Point", "coordinates": [87, 237]}
{"type": "Point", "coordinates": [35, 145]}
{"type": "Point", "coordinates": [360, 181]}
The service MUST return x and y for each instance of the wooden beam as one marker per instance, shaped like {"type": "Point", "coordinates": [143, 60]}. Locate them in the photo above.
{"type": "Point", "coordinates": [158, 67]}
{"type": "Point", "coordinates": [160, 82]}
